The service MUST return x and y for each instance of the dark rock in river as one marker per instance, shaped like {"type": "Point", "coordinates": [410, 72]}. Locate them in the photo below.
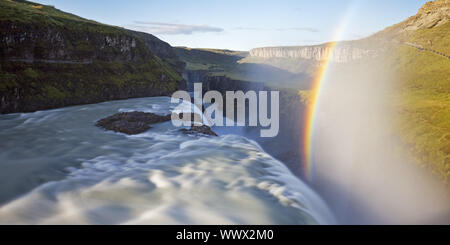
{"type": "Point", "coordinates": [131, 122]}
{"type": "Point", "coordinates": [199, 130]}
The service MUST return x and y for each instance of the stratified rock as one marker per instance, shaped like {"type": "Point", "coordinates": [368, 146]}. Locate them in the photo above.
{"type": "Point", "coordinates": [432, 14]}
{"type": "Point", "coordinates": [131, 122]}
{"type": "Point", "coordinates": [199, 130]}
{"type": "Point", "coordinates": [339, 54]}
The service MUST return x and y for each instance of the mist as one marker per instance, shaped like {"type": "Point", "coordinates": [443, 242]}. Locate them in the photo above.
{"type": "Point", "coordinates": [360, 166]}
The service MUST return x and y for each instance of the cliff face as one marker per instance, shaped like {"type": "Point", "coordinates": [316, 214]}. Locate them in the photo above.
{"type": "Point", "coordinates": [432, 14]}
{"type": "Point", "coordinates": [52, 44]}
{"type": "Point", "coordinates": [49, 58]}
{"type": "Point", "coordinates": [340, 54]}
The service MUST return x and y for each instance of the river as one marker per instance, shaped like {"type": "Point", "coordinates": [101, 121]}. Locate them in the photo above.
{"type": "Point", "coordinates": [59, 168]}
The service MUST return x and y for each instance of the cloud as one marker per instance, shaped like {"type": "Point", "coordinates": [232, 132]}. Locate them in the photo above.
{"type": "Point", "coordinates": [171, 29]}
{"type": "Point", "coordinates": [306, 29]}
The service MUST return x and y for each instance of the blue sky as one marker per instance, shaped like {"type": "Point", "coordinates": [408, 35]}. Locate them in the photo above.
{"type": "Point", "coordinates": [245, 24]}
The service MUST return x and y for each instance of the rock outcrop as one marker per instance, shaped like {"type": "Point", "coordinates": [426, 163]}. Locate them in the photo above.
{"type": "Point", "coordinates": [137, 122]}
{"type": "Point", "coordinates": [432, 14]}
{"type": "Point", "coordinates": [131, 122]}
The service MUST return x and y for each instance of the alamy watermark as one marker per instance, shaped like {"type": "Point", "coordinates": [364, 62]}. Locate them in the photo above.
{"type": "Point", "coordinates": [235, 109]}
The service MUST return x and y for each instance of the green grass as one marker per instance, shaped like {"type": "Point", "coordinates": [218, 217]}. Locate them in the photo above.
{"type": "Point", "coordinates": [423, 106]}
{"type": "Point", "coordinates": [421, 95]}
{"type": "Point", "coordinates": [55, 85]}
{"type": "Point", "coordinates": [437, 38]}
{"type": "Point", "coordinates": [207, 59]}
{"type": "Point", "coordinates": [26, 12]}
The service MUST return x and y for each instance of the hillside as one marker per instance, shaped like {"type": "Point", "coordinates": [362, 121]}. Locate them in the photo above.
{"type": "Point", "coordinates": [417, 52]}
{"type": "Point", "coordinates": [423, 83]}
{"type": "Point", "coordinates": [50, 59]}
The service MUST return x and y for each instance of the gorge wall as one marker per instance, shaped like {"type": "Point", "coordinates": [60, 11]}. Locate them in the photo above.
{"type": "Point", "coordinates": [218, 83]}
{"type": "Point", "coordinates": [339, 54]}
{"type": "Point", "coordinates": [49, 59]}
{"type": "Point", "coordinates": [287, 144]}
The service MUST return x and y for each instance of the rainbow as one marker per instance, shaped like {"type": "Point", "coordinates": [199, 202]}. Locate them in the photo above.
{"type": "Point", "coordinates": [311, 109]}
{"type": "Point", "coordinates": [314, 98]}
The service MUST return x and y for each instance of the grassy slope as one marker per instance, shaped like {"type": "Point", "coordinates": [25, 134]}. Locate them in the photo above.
{"type": "Point", "coordinates": [33, 13]}
{"type": "Point", "coordinates": [209, 59]}
{"type": "Point", "coordinates": [420, 97]}
{"type": "Point", "coordinates": [423, 99]}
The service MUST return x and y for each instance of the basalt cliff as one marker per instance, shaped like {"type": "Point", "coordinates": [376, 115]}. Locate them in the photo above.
{"type": "Point", "coordinates": [341, 53]}
{"type": "Point", "coordinates": [49, 59]}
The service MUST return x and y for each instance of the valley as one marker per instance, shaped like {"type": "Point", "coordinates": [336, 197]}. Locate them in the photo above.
{"type": "Point", "coordinates": [364, 126]}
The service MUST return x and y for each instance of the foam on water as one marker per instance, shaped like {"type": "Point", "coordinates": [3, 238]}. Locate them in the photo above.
{"type": "Point", "coordinates": [158, 177]}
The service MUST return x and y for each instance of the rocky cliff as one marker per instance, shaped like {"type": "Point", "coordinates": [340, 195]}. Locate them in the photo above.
{"type": "Point", "coordinates": [49, 58]}
{"type": "Point", "coordinates": [52, 44]}
{"type": "Point", "coordinates": [340, 54]}
{"type": "Point", "coordinates": [432, 14]}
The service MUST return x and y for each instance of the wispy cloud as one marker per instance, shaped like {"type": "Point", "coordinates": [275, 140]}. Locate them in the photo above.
{"type": "Point", "coordinates": [305, 29]}
{"type": "Point", "coordinates": [171, 29]}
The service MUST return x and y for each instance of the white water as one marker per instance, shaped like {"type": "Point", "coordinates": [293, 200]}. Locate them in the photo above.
{"type": "Point", "coordinates": [61, 169]}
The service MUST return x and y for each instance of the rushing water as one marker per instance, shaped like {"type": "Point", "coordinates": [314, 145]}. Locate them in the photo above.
{"type": "Point", "coordinates": [58, 168]}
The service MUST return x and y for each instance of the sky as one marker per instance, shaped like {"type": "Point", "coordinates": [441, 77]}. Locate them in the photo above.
{"type": "Point", "coordinates": [245, 24]}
